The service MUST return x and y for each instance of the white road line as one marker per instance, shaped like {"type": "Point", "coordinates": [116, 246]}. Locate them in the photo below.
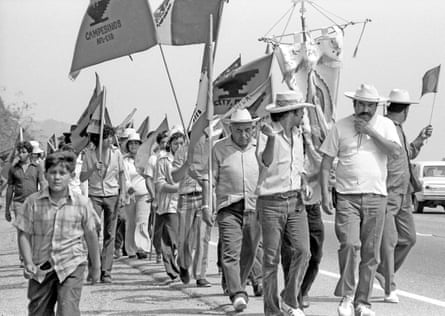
{"type": "Point", "coordinates": [413, 296]}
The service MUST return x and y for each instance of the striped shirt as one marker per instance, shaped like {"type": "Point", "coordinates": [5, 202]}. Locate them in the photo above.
{"type": "Point", "coordinates": [58, 230]}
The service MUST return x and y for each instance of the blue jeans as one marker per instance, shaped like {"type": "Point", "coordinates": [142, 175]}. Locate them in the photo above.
{"type": "Point", "coordinates": [285, 232]}
{"type": "Point", "coordinates": [239, 233]}
{"type": "Point", "coordinates": [359, 221]}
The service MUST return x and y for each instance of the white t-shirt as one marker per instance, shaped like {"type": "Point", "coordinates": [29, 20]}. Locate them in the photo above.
{"type": "Point", "coordinates": [361, 163]}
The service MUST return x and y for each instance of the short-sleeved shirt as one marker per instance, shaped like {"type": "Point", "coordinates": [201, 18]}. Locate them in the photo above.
{"type": "Point", "coordinates": [108, 183]}
{"type": "Point", "coordinates": [25, 182]}
{"type": "Point", "coordinates": [361, 164]}
{"type": "Point", "coordinates": [284, 173]}
{"type": "Point", "coordinates": [58, 229]}
{"type": "Point", "coordinates": [167, 202]}
{"type": "Point", "coordinates": [235, 171]}
{"type": "Point", "coordinates": [188, 184]}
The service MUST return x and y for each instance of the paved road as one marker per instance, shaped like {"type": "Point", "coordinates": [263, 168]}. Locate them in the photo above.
{"type": "Point", "coordinates": [141, 287]}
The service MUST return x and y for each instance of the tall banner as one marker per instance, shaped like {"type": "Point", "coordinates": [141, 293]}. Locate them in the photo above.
{"type": "Point", "coordinates": [112, 29]}
{"type": "Point", "coordinates": [240, 82]}
{"type": "Point", "coordinates": [313, 67]}
{"type": "Point", "coordinates": [185, 22]}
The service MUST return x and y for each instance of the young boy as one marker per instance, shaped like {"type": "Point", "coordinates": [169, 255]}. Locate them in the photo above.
{"type": "Point", "coordinates": [53, 229]}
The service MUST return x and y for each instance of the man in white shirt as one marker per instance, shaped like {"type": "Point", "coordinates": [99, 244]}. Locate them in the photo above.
{"type": "Point", "coordinates": [362, 143]}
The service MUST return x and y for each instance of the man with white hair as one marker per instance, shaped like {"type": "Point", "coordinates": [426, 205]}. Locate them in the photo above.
{"type": "Point", "coordinates": [235, 171]}
{"type": "Point", "coordinates": [399, 233]}
{"type": "Point", "coordinates": [281, 188]}
{"type": "Point", "coordinates": [362, 142]}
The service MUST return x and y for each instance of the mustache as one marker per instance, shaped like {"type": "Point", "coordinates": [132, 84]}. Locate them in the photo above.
{"type": "Point", "coordinates": [364, 114]}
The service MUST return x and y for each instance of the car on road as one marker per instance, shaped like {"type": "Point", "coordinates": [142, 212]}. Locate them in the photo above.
{"type": "Point", "coordinates": [431, 175]}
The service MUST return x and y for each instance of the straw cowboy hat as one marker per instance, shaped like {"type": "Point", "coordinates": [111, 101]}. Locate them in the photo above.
{"type": "Point", "coordinates": [365, 92]}
{"type": "Point", "coordinates": [241, 116]}
{"type": "Point", "coordinates": [400, 96]}
{"type": "Point", "coordinates": [287, 101]}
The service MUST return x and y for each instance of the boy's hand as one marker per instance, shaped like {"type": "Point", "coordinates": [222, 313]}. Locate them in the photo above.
{"type": "Point", "coordinates": [29, 270]}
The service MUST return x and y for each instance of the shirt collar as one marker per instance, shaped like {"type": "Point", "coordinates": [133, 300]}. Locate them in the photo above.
{"type": "Point", "coordinates": [44, 194]}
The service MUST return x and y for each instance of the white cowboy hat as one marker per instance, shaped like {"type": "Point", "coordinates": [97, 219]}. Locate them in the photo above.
{"type": "Point", "coordinates": [400, 96]}
{"type": "Point", "coordinates": [37, 150]}
{"type": "Point", "coordinates": [365, 92]}
{"type": "Point", "coordinates": [287, 101]}
{"type": "Point", "coordinates": [134, 137]}
{"type": "Point", "coordinates": [175, 129]}
{"type": "Point", "coordinates": [127, 132]}
{"type": "Point", "coordinates": [34, 143]}
{"type": "Point", "coordinates": [241, 116]}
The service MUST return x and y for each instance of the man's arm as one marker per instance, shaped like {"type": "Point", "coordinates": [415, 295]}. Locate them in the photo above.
{"type": "Point", "coordinates": [326, 166]}
{"type": "Point", "coordinates": [9, 195]}
{"type": "Point", "coordinates": [24, 240]}
{"type": "Point", "coordinates": [416, 144]}
{"type": "Point", "coordinates": [93, 253]}
{"type": "Point", "coordinates": [389, 147]}
{"type": "Point", "coordinates": [267, 156]}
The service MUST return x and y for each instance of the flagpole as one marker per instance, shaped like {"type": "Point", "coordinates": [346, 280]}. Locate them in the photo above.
{"type": "Point", "coordinates": [173, 90]}
{"type": "Point", "coordinates": [432, 108]}
{"type": "Point", "coordinates": [101, 126]}
{"type": "Point", "coordinates": [210, 113]}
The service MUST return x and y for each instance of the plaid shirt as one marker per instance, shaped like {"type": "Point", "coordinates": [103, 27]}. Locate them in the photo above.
{"type": "Point", "coordinates": [57, 230]}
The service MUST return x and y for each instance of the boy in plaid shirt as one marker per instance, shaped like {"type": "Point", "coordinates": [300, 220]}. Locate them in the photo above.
{"type": "Point", "coordinates": [56, 232]}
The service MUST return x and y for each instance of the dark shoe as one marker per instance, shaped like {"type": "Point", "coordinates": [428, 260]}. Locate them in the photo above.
{"type": "Point", "coordinates": [117, 253]}
{"type": "Point", "coordinates": [184, 275]}
{"type": "Point", "coordinates": [141, 255]}
{"type": "Point", "coordinates": [158, 258]}
{"type": "Point", "coordinates": [257, 289]}
{"type": "Point", "coordinates": [305, 301]}
{"type": "Point", "coordinates": [203, 283]}
{"type": "Point", "coordinates": [172, 276]}
{"type": "Point", "coordinates": [106, 279]}
{"type": "Point", "coordinates": [132, 257]}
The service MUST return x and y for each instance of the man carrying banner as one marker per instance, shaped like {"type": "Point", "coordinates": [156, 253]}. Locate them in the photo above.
{"type": "Point", "coordinates": [235, 171]}
{"type": "Point", "coordinates": [362, 142]}
{"type": "Point", "coordinates": [281, 188]}
{"type": "Point", "coordinates": [106, 189]}
{"type": "Point", "coordinates": [399, 233]}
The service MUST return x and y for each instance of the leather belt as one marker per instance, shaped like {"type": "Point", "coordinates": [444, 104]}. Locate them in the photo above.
{"type": "Point", "coordinates": [194, 193]}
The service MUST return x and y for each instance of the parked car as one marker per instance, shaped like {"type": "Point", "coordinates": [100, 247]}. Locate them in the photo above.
{"type": "Point", "coordinates": [431, 175]}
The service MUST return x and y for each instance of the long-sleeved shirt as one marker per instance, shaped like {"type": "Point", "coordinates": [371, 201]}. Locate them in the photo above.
{"type": "Point", "coordinates": [167, 201]}
{"type": "Point", "coordinates": [25, 182]}
{"type": "Point", "coordinates": [235, 171]}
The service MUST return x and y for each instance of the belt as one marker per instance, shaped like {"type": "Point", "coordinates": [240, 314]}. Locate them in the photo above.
{"type": "Point", "coordinates": [282, 196]}
{"type": "Point", "coordinates": [194, 193]}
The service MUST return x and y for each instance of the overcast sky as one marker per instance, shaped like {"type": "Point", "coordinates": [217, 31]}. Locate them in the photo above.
{"type": "Point", "coordinates": [37, 39]}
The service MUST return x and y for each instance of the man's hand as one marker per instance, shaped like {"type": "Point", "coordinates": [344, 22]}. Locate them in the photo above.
{"type": "Point", "coordinates": [7, 215]}
{"type": "Point", "coordinates": [326, 205]}
{"type": "Point", "coordinates": [207, 215]}
{"type": "Point", "coordinates": [361, 126]}
{"type": "Point", "coordinates": [121, 201]}
{"type": "Point", "coordinates": [307, 191]}
{"type": "Point", "coordinates": [29, 270]}
{"type": "Point", "coordinates": [426, 132]}
{"type": "Point", "coordinates": [95, 274]}
{"type": "Point", "coordinates": [267, 130]}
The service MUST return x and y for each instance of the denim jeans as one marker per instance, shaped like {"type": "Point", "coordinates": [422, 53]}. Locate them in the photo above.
{"type": "Point", "coordinates": [43, 296]}
{"type": "Point", "coordinates": [285, 232]}
{"type": "Point", "coordinates": [316, 235]}
{"type": "Point", "coordinates": [359, 220]}
{"type": "Point", "coordinates": [239, 232]}
{"type": "Point", "coordinates": [108, 205]}
{"type": "Point", "coordinates": [399, 236]}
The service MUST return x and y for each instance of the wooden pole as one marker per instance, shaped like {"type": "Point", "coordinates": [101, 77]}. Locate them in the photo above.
{"type": "Point", "coordinates": [432, 108]}
{"type": "Point", "coordinates": [210, 112]}
{"type": "Point", "coordinates": [101, 126]}
{"type": "Point", "coordinates": [173, 90]}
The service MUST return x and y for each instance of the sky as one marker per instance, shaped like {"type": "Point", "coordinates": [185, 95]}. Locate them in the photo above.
{"type": "Point", "coordinates": [37, 39]}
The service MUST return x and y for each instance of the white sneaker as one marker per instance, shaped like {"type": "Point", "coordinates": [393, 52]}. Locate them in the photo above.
{"type": "Point", "coordinates": [363, 310]}
{"type": "Point", "coordinates": [239, 304]}
{"type": "Point", "coordinates": [392, 298]}
{"type": "Point", "coordinates": [345, 308]}
{"type": "Point", "coordinates": [290, 311]}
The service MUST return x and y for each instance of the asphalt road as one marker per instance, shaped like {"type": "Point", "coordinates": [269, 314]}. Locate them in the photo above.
{"type": "Point", "coordinates": [141, 287]}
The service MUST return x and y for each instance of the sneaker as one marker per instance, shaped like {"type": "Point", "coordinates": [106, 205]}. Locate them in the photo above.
{"type": "Point", "coordinates": [363, 310]}
{"type": "Point", "coordinates": [257, 289]}
{"type": "Point", "coordinates": [239, 303]}
{"type": "Point", "coordinates": [141, 255]}
{"type": "Point", "coordinates": [305, 301]}
{"type": "Point", "coordinates": [184, 275]}
{"type": "Point", "coordinates": [392, 298]}
{"type": "Point", "coordinates": [290, 311]}
{"type": "Point", "coordinates": [117, 253]}
{"type": "Point", "coordinates": [203, 283]}
{"type": "Point", "coordinates": [345, 308]}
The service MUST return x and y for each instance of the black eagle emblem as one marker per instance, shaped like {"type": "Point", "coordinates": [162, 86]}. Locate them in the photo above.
{"type": "Point", "coordinates": [96, 11]}
{"type": "Point", "coordinates": [234, 84]}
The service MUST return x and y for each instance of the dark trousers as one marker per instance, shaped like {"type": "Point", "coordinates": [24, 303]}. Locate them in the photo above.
{"type": "Point", "coordinates": [108, 205]}
{"type": "Point", "coordinates": [316, 238]}
{"type": "Point", "coordinates": [44, 296]}
{"type": "Point", "coordinates": [157, 233]}
{"type": "Point", "coordinates": [239, 232]}
{"type": "Point", "coordinates": [169, 243]}
{"type": "Point", "coordinates": [119, 242]}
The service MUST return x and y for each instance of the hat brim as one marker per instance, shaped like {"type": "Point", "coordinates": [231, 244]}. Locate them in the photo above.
{"type": "Point", "coordinates": [272, 108]}
{"type": "Point", "coordinates": [352, 95]}
{"type": "Point", "coordinates": [402, 102]}
{"type": "Point", "coordinates": [230, 121]}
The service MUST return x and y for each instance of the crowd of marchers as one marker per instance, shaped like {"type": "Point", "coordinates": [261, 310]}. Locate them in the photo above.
{"type": "Point", "coordinates": [270, 185]}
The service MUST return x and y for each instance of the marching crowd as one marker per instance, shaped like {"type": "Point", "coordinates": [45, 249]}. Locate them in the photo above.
{"type": "Point", "coordinates": [270, 184]}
